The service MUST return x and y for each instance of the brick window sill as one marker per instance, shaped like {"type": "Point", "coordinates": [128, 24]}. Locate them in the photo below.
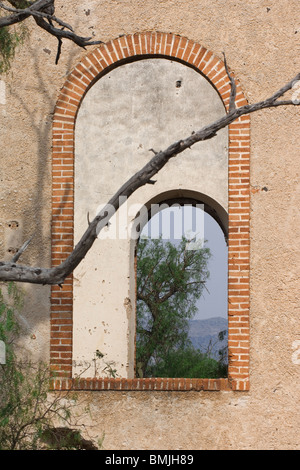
{"type": "Point", "coordinates": [150, 384]}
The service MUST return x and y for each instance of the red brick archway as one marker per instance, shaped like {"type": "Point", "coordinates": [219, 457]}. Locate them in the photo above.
{"type": "Point", "coordinates": [91, 68]}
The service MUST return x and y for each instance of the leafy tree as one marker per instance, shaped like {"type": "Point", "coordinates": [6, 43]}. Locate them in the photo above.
{"type": "Point", "coordinates": [170, 279]}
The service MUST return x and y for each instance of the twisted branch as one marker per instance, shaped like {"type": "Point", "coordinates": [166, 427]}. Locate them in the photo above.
{"type": "Point", "coordinates": [43, 13]}
{"type": "Point", "coordinates": [10, 271]}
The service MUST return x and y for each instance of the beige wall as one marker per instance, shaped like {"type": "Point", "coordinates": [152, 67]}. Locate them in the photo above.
{"type": "Point", "coordinates": [262, 48]}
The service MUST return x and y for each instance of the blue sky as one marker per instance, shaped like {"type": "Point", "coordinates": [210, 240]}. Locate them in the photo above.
{"type": "Point", "coordinates": [213, 302]}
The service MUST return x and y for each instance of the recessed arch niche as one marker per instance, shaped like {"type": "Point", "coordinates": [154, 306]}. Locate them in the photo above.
{"type": "Point", "coordinates": [149, 103]}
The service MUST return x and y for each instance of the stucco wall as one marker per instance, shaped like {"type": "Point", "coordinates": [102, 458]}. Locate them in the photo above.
{"type": "Point", "coordinates": [262, 48]}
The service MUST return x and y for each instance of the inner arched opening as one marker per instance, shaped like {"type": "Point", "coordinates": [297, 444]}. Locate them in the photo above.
{"type": "Point", "coordinates": [181, 290]}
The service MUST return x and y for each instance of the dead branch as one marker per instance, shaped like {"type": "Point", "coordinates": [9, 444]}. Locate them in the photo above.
{"type": "Point", "coordinates": [233, 86]}
{"type": "Point", "coordinates": [62, 34]}
{"type": "Point", "coordinates": [10, 271]}
{"type": "Point", "coordinates": [21, 251]}
{"type": "Point", "coordinates": [37, 14]}
{"type": "Point", "coordinates": [43, 13]}
{"type": "Point", "coordinates": [20, 15]}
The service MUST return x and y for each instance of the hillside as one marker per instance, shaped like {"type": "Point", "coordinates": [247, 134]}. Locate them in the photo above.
{"type": "Point", "coordinates": [205, 332]}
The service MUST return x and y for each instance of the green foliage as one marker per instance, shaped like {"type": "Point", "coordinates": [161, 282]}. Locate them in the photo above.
{"type": "Point", "coordinates": [21, 4]}
{"type": "Point", "coordinates": [10, 39]}
{"type": "Point", "coordinates": [24, 408]}
{"type": "Point", "coordinates": [61, 438]}
{"type": "Point", "coordinates": [10, 303]}
{"type": "Point", "coordinates": [170, 279]}
{"type": "Point", "coordinates": [189, 363]}
{"type": "Point", "coordinates": [27, 411]}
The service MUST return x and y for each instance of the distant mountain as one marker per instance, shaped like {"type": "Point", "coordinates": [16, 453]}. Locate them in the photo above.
{"type": "Point", "coordinates": [204, 334]}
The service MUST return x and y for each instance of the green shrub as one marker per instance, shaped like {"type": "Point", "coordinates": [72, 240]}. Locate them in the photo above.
{"type": "Point", "coordinates": [28, 413]}
{"type": "Point", "coordinates": [10, 39]}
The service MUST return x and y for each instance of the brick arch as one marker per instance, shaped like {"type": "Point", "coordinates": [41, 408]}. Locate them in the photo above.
{"type": "Point", "coordinates": [96, 63]}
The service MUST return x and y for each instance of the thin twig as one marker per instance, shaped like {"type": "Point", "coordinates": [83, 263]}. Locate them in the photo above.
{"type": "Point", "coordinates": [21, 251]}
{"type": "Point", "coordinates": [58, 50]}
{"type": "Point", "coordinates": [232, 105]}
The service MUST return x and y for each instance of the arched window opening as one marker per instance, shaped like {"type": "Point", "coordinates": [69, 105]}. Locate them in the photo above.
{"type": "Point", "coordinates": [144, 95]}
{"type": "Point", "coordinates": [181, 290]}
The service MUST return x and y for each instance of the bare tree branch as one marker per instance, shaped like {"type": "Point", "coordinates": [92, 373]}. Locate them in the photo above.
{"type": "Point", "coordinates": [60, 33]}
{"type": "Point", "coordinates": [10, 271]}
{"type": "Point", "coordinates": [43, 10]}
{"type": "Point", "coordinates": [233, 87]}
{"type": "Point", "coordinates": [20, 251]}
{"type": "Point", "coordinates": [37, 14]}
{"type": "Point", "coordinates": [21, 16]}
{"type": "Point", "coordinates": [59, 46]}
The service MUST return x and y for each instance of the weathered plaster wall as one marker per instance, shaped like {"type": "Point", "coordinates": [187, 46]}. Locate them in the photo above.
{"type": "Point", "coordinates": [262, 48]}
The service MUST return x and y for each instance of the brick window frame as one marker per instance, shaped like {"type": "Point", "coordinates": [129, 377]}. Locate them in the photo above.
{"type": "Point", "coordinates": [95, 64]}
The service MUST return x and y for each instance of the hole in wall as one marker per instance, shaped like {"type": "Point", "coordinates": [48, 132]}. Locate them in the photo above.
{"type": "Point", "coordinates": [13, 224]}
